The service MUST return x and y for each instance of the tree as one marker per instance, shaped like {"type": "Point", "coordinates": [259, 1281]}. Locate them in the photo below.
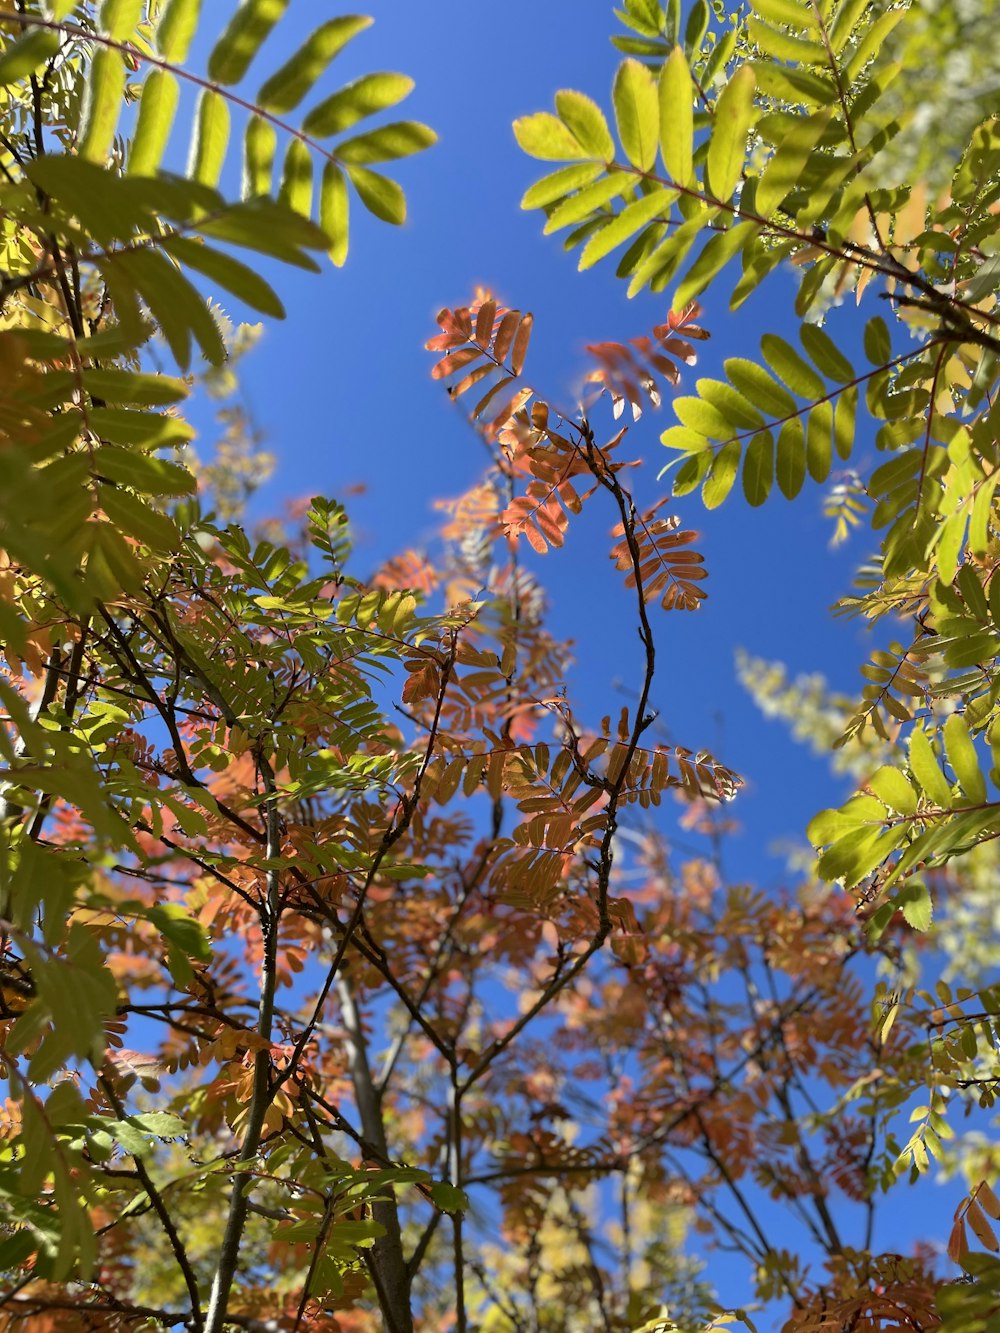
{"type": "Point", "coordinates": [336, 945]}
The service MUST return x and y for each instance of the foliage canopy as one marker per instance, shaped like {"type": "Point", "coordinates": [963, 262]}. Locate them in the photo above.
{"type": "Point", "coordinates": [347, 979]}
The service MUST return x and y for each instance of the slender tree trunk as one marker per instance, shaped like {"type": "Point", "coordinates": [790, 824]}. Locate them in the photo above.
{"type": "Point", "coordinates": [389, 1270]}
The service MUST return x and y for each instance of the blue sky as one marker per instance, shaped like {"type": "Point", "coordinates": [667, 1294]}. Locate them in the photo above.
{"type": "Point", "coordinates": [342, 390]}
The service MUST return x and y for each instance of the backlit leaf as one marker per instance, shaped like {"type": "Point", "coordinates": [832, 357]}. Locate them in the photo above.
{"type": "Point", "coordinates": [211, 138]}
{"type": "Point", "coordinates": [734, 116]}
{"type": "Point", "coordinates": [379, 194]}
{"type": "Point", "coordinates": [157, 108]}
{"type": "Point", "coordinates": [333, 211]}
{"type": "Point", "coordinates": [586, 123]}
{"type": "Point", "coordinates": [364, 97]}
{"type": "Point", "coordinates": [176, 29]}
{"type": "Point", "coordinates": [544, 136]}
{"type": "Point", "coordinates": [637, 113]}
{"type": "Point", "coordinates": [285, 89]}
{"type": "Point", "coordinates": [676, 101]}
{"type": "Point", "coordinates": [243, 37]}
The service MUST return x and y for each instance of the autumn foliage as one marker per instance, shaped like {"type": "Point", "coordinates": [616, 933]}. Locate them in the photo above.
{"type": "Point", "coordinates": [353, 976]}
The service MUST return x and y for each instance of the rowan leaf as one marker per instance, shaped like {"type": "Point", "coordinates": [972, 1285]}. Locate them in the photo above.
{"type": "Point", "coordinates": [364, 97]}
{"type": "Point", "coordinates": [637, 114]}
{"type": "Point", "coordinates": [734, 117]}
{"type": "Point", "coordinates": [286, 88]}
{"type": "Point", "coordinates": [246, 32]}
{"type": "Point", "coordinates": [676, 104]}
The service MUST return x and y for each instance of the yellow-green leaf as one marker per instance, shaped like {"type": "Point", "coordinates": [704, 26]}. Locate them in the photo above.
{"type": "Point", "coordinates": [379, 194]}
{"type": "Point", "coordinates": [387, 142]}
{"type": "Point", "coordinates": [242, 39]}
{"type": "Point", "coordinates": [544, 136]}
{"type": "Point", "coordinates": [927, 771]}
{"type": "Point", "coordinates": [625, 224]}
{"type": "Point", "coordinates": [676, 100]}
{"type": "Point", "coordinates": [285, 89]}
{"type": "Point", "coordinates": [333, 211]}
{"type": "Point", "coordinates": [914, 901]}
{"type": "Point", "coordinates": [259, 146]}
{"type": "Point", "coordinates": [560, 183]}
{"type": "Point", "coordinates": [102, 105]}
{"type": "Point", "coordinates": [637, 113]}
{"type": "Point", "coordinates": [157, 108]}
{"type": "Point", "coordinates": [734, 115]}
{"type": "Point", "coordinates": [782, 172]}
{"type": "Point", "coordinates": [25, 55]}
{"type": "Point", "coordinates": [962, 756]}
{"type": "Point", "coordinates": [119, 18]}
{"type": "Point", "coordinates": [722, 474]}
{"type": "Point", "coordinates": [758, 468]}
{"type": "Point", "coordinates": [176, 29]}
{"type": "Point", "coordinates": [891, 787]}
{"type": "Point", "coordinates": [297, 178]}
{"type": "Point", "coordinates": [790, 461]}
{"type": "Point", "coordinates": [586, 123]}
{"type": "Point", "coordinates": [363, 97]}
{"type": "Point", "coordinates": [228, 272]}
{"type": "Point", "coordinates": [211, 138]}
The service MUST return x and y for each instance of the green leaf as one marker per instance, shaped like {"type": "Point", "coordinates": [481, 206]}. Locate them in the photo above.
{"type": "Point", "coordinates": [637, 113]}
{"type": "Point", "coordinates": [449, 1198]}
{"type": "Point", "coordinates": [136, 519]}
{"type": "Point", "coordinates": [259, 145]}
{"type": "Point", "coordinates": [228, 272]}
{"type": "Point", "coordinates": [242, 39]}
{"type": "Point", "coordinates": [819, 441]}
{"type": "Point", "coordinates": [844, 414]}
{"type": "Point", "coordinates": [758, 468]}
{"type": "Point", "coordinates": [786, 363]}
{"type": "Point", "coordinates": [333, 211]}
{"type": "Point", "coordinates": [297, 178]}
{"type": "Point", "coordinates": [24, 56]}
{"type": "Point", "coordinates": [892, 788]}
{"type": "Point", "coordinates": [697, 25]}
{"type": "Point", "coordinates": [363, 97]}
{"type": "Point", "coordinates": [379, 194]}
{"type": "Point", "coordinates": [721, 247]}
{"type": "Point", "coordinates": [754, 382]}
{"type": "Point", "coordinates": [176, 29]}
{"type": "Point", "coordinates": [825, 354]}
{"type": "Point", "coordinates": [560, 183]}
{"type": "Point", "coordinates": [734, 115]}
{"type": "Point", "coordinates": [782, 172]}
{"type": "Point", "coordinates": [544, 136]}
{"type": "Point", "coordinates": [625, 224]}
{"type": "Point", "coordinates": [927, 772]}
{"type": "Point", "coordinates": [878, 344]}
{"type": "Point", "coordinates": [386, 143]}
{"type": "Point", "coordinates": [129, 386]}
{"type": "Point", "coordinates": [790, 464]}
{"type": "Point", "coordinates": [722, 474]}
{"type": "Point", "coordinates": [676, 100]}
{"type": "Point", "coordinates": [177, 307]}
{"type": "Point", "coordinates": [102, 105]}
{"type": "Point", "coordinates": [157, 108]}
{"type": "Point", "coordinates": [150, 476]}
{"type": "Point", "coordinates": [586, 123]}
{"type": "Point", "coordinates": [588, 200]}
{"type": "Point", "coordinates": [119, 18]}
{"type": "Point", "coordinates": [914, 901]}
{"type": "Point", "coordinates": [211, 138]}
{"type": "Point", "coordinates": [962, 756]}
{"type": "Point", "coordinates": [790, 13]}
{"type": "Point", "coordinates": [285, 89]}
{"type": "Point", "coordinates": [704, 417]}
